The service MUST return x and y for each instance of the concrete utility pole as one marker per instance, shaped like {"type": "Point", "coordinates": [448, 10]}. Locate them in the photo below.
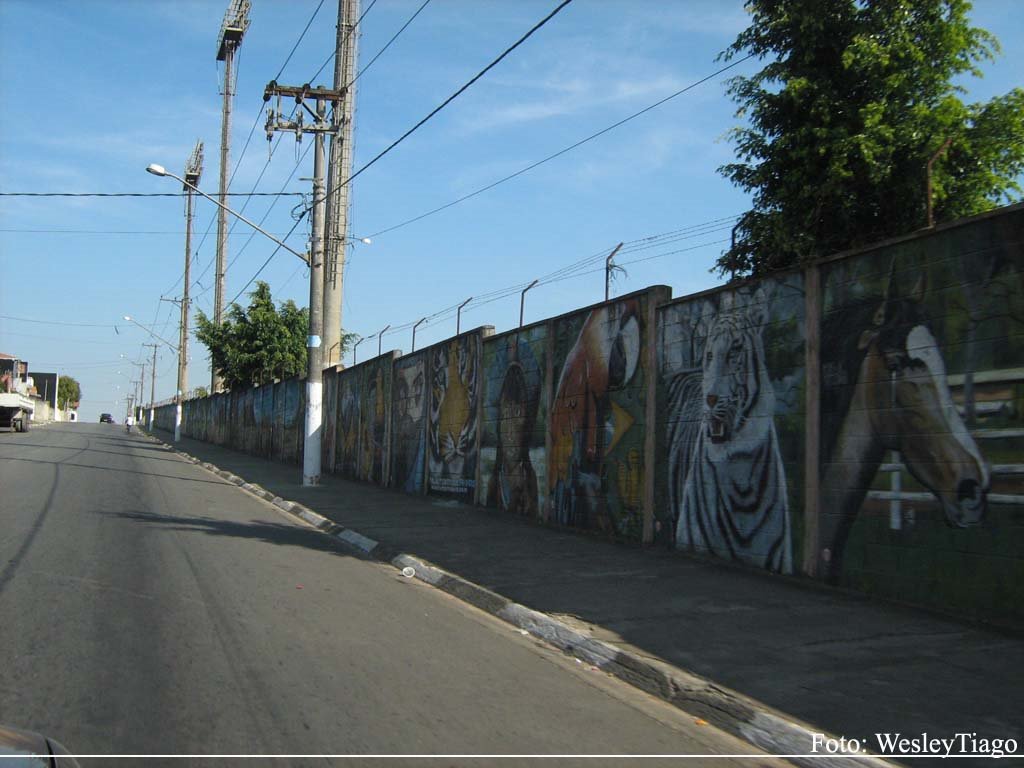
{"type": "Point", "coordinates": [193, 172]}
{"type": "Point", "coordinates": [152, 383]}
{"type": "Point", "coordinates": [276, 121]}
{"type": "Point", "coordinates": [236, 21]}
{"type": "Point", "coordinates": [340, 169]}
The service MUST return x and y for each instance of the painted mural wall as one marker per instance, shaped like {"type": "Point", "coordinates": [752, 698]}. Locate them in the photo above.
{"type": "Point", "coordinates": [597, 425]}
{"type": "Point", "coordinates": [409, 423]}
{"type": "Point", "coordinates": [922, 405]}
{"type": "Point", "coordinates": [361, 427]}
{"type": "Point", "coordinates": [513, 460]}
{"type": "Point", "coordinates": [686, 423]}
{"type": "Point", "coordinates": [731, 423]}
{"type": "Point", "coordinates": [453, 416]}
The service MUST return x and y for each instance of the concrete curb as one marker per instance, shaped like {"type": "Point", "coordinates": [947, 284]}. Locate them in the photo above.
{"type": "Point", "coordinates": [756, 723]}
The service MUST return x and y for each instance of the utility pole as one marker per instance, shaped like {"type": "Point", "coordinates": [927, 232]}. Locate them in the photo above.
{"type": "Point", "coordinates": [276, 121]}
{"type": "Point", "coordinates": [193, 171]}
{"type": "Point", "coordinates": [152, 383]}
{"type": "Point", "coordinates": [236, 21]}
{"type": "Point", "coordinates": [339, 170]}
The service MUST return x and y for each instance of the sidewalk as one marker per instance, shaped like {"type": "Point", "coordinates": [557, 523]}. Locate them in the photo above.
{"type": "Point", "coordinates": [841, 663]}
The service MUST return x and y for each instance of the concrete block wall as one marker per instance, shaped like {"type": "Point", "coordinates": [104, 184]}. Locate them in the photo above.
{"type": "Point", "coordinates": [730, 425]}
{"type": "Point", "coordinates": [922, 446]}
{"type": "Point", "coordinates": [859, 421]}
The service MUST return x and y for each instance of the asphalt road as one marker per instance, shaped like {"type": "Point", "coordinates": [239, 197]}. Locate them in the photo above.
{"type": "Point", "coordinates": [149, 607]}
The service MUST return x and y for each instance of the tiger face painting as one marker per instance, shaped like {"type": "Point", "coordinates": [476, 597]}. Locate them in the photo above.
{"type": "Point", "coordinates": [453, 423]}
{"type": "Point", "coordinates": [727, 482]}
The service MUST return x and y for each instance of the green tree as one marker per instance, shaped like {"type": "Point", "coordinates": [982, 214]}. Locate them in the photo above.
{"type": "Point", "coordinates": [68, 392]}
{"type": "Point", "coordinates": [858, 95]}
{"type": "Point", "coordinates": [257, 344]}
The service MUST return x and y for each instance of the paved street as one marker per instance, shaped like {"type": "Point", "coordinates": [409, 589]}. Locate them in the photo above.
{"type": "Point", "coordinates": [150, 607]}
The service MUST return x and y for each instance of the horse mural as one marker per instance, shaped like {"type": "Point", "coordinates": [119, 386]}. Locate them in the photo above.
{"type": "Point", "coordinates": [885, 388]}
{"type": "Point", "coordinates": [727, 480]}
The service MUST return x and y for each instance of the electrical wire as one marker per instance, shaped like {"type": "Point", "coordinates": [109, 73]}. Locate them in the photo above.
{"type": "Point", "coordinates": [455, 95]}
{"type": "Point", "coordinates": [343, 42]}
{"type": "Point", "coordinates": [560, 152]}
{"type": "Point", "coordinates": [138, 194]}
{"type": "Point", "coordinates": [582, 266]}
{"type": "Point", "coordinates": [99, 231]}
{"type": "Point", "coordinates": [387, 44]}
{"type": "Point", "coordinates": [56, 322]}
{"type": "Point", "coordinates": [295, 47]}
{"type": "Point", "coordinates": [241, 155]}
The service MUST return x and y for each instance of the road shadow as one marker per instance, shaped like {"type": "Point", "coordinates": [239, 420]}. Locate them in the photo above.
{"type": "Point", "coordinates": [127, 471]}
{"type": "Point", "coordinates": [281, 534]}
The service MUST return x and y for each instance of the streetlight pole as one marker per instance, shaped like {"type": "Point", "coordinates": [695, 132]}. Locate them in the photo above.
{"type": "Point", "coordinates": [159, 170]}
{"type": "Point", "coordinates": [177, 397]}
{"type": "Point", "coordinates": [152, 383]}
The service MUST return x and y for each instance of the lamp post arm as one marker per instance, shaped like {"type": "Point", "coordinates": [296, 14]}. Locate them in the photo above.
{"type": "Point", "coordinates": [237, 215]}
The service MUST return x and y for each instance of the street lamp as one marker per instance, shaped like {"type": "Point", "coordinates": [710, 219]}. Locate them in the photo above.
{"type": "Point", "coordinates": [313, 421]}
{"type": "Point", "coordinates": [159, 170]}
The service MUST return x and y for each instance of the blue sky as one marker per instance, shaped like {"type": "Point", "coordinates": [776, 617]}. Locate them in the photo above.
{"type": "Point", "coordinates": [94, 91]}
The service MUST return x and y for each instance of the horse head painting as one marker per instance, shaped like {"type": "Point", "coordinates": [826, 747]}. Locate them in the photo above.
{"type": "Point", "coordinates": [884, 388]}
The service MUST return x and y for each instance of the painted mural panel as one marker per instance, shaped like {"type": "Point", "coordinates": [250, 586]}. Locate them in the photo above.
{"type": "Point", "coordinates": [732, 393]}
{"type": "Point", "coordinates": [513, 465]}
{"type": "Point", "coordinates": [346, 449]}
{"type": "Point", "coordinates": [408, 427]}
{"type": "Point", "coordinates": [374, 411]}
{"type": "Point", "coordinates": [277, 419]}
{"type": "Point", "coordinates": [264, 414]}
{"type": "Point", "coordinates": [330, 418]}
{"type": "Point", "coordinates": [922, 394]}
{"type": "Point", "coordinates": [292, 420]}
{"type": "Point", "coordinates": [452, 424]}
{"type": "Point", "coordinates": [596, 465]}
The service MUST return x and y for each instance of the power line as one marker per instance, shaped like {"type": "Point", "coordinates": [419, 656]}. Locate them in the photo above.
{"type": "Point", "coordinates": [457, 93]}
{"type": "Point", "coordinates": [409, 132]}
{"type": "Point", "coordinates": [97, 232]}
{"type": "Point", "coordinates": [560, 152]}
{"type": "Point", "coordinates": [579, 268]}
{"type": "Point", "coordinates": [56, 322]}
{"type": "Point", "coordinates": [388, 44]}
{"type": "Point", "coordinates": [253, 234]}
{"type": "Point", "coordinates": [139, 194]}
{"type": "Point", "coordinates": [271, 256]}
{"type": "Point", "coordinates": [241, 155]}
{"type": "Point", "coordinates": [267, 164]}
{"type": "Point", "coordinates": [294, 47]}
{"type": "Point", "coordinates": [344, 42]}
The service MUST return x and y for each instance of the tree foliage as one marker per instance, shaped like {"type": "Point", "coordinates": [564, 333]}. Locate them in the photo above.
{"type": "Point", "coordinates": [68, 392]}
{"type": "Point", "coordinates": [257, 344]}
{"type": "Point", "coordinates": [260, 343]}
{"type": "Point", "coordinates": [858, 95]}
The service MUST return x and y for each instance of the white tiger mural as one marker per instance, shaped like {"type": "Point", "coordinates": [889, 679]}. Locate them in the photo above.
{"type": "Point", "coordinates": [727, 483]}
